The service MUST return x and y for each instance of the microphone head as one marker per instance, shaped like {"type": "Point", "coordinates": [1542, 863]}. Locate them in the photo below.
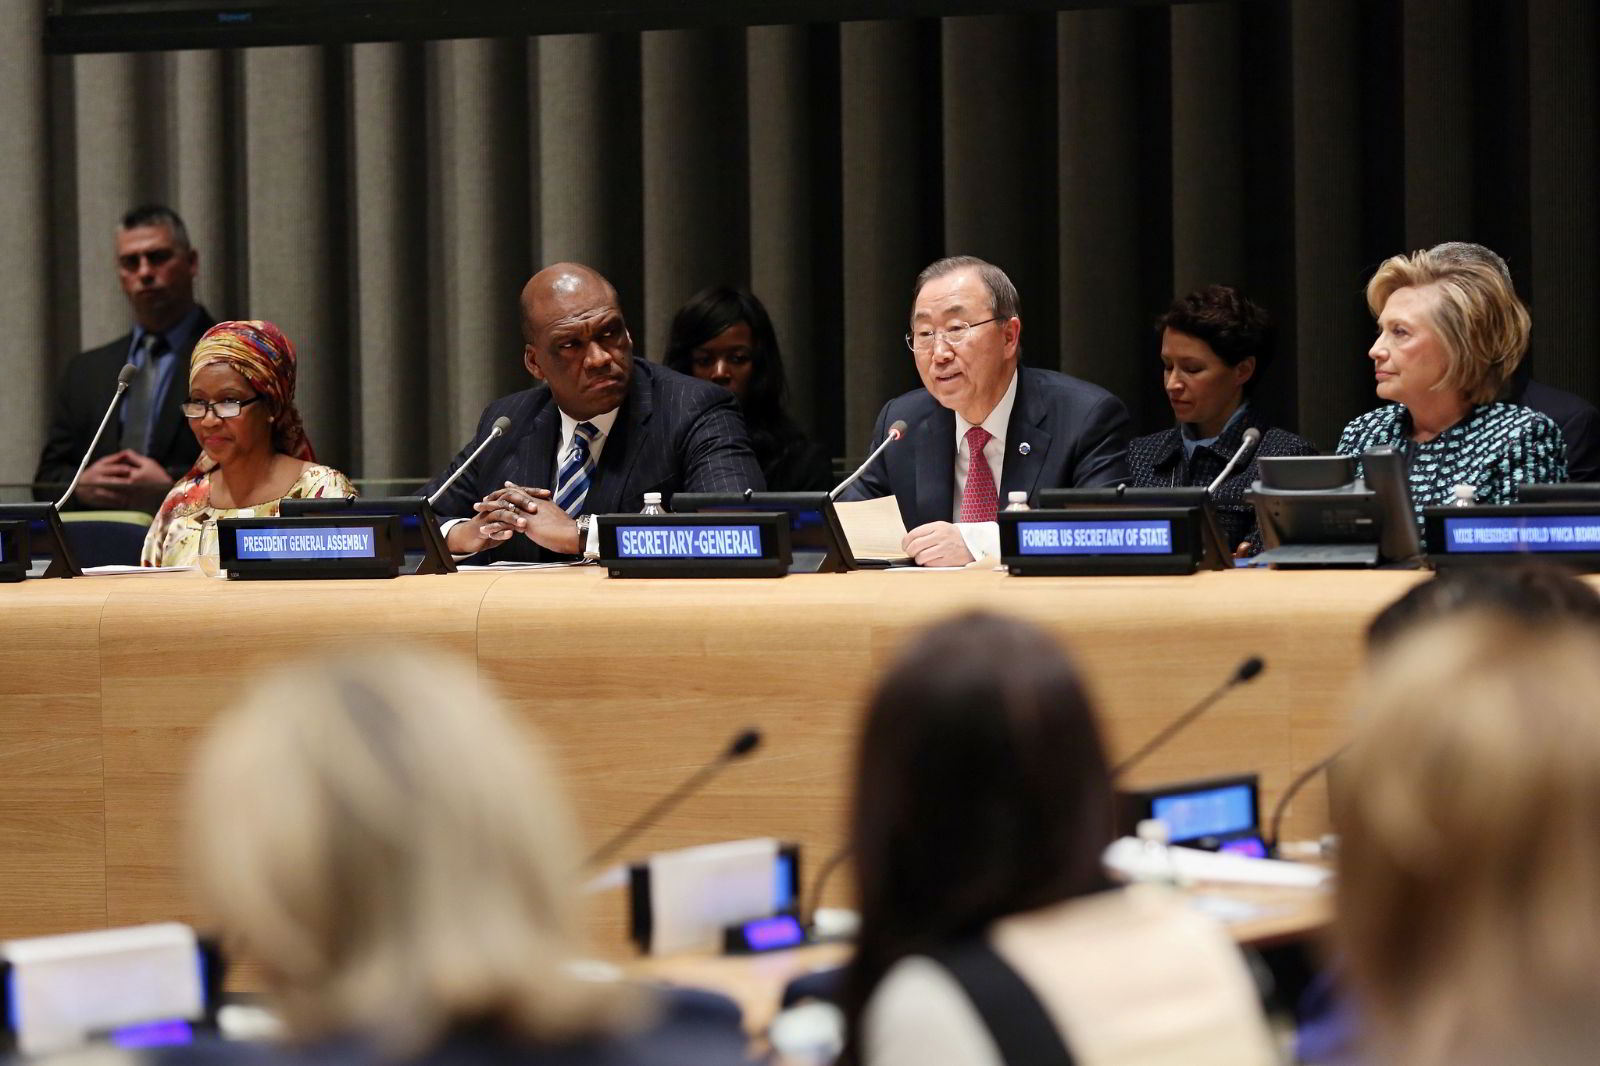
{"type": "Point", "coordinates": [501, 424]}
{"type": "Point", "coordinates": [126, 375]}
{"type": "Point", "coordinates": [897, 430]}
{"type": "Point", "coordinates": [747, 741]}
{"type": "Point", "coordinates": [1251, 436]}
{"type": "Point", "coordinates": [1249, 670]}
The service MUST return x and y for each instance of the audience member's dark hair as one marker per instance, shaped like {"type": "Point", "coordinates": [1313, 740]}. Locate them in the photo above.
{"type": "Point", "coordinates": [775, 437]}
{"type": "Point", "coordinates": [981, 790]}
{"type": "Point", "coordinates": [705, 316]}
{"type": "Point", "coordinates": [1235, 327]}
{"type": "Point", "coordinates": [158, 215]}
{"type": "Point", "coordinates": [1531, 591]}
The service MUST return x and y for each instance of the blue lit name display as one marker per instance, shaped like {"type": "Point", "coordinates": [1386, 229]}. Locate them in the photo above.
{"type": "Point", "coordinates": [689, 542]}
{"type": "Point", "coordinates": [1523, 533]}
{"type": "Point", "coordinates": [1209, 813]}
{"type": "Point", "coordinates": [1099, 537]}
{"type": "Point", "coordinates": [298, 542]}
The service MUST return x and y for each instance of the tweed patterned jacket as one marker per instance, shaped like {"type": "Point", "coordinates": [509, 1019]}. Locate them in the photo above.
{"type": "Point", "coordinates": [1158, 461]}
{"type": "Point", "coordinates": [1495, 449]}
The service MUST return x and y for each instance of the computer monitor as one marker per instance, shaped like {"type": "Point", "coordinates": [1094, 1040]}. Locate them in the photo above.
{"type": "Point", "coordinates": [425, 551]}
{"type": "Point", "coordinates": [1217, 554]}
{"type": "Point", "coordinates": [1315, 513]}
{"type": "Point", "coordinates": [1214, 814]}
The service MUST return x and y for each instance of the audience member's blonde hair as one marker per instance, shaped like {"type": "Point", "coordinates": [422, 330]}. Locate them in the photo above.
{"type": "Point", "coordinates": [395, 851]}
{"type": "Point", "coordinates": [1476, 313]}
{"type": "Point", "coordinates": [1469, 868]}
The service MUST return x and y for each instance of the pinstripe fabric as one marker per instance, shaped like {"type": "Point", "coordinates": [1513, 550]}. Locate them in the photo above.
{"type": "Point", "coordinates": [674, 434]}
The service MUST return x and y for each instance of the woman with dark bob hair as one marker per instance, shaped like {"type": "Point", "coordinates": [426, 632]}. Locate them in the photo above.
{"type": "Point", "coordinates": [982, 806]}
{"type": "Point", "coordinates": [725, 336]}
{"type": "Point", "coordinates": [1214, 345]}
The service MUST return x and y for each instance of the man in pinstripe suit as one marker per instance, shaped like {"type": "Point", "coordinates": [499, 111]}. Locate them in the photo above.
{"type": "Point", "coordinates": [600, 432]}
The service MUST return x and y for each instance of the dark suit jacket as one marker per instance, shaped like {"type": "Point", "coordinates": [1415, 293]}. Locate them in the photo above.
{"type": "Point", "coordinates": [1579, 422]}
{"type": "Point", "coordinates": [674, 433]}
{"type": "Point", "coordinates": [1077, 437]}
{"type": "Point", "coordinates": [87, 386]}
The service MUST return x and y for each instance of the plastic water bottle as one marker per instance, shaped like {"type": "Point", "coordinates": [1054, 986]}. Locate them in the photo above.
{"type": "Point", "coordinates": [652, 504]}
{"type": "Point", "coordinates": [1466, 496]}
{"type": "Point", "coordinates": [1155, 845]}
{"type": "Point", "coordinates": [1017, 501]}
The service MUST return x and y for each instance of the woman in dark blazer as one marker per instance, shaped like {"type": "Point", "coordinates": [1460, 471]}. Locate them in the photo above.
{"type": "Point", "coordinates": [1213, 347]}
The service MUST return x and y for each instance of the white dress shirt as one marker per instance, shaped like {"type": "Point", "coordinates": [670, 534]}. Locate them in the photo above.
{"type": "Point", "coordinates": [983, 538]}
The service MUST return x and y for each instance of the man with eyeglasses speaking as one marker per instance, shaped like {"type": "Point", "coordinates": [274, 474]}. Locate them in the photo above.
{"type": "Point", "coordinates": [982, 426]}
{"type": "Point", "coordinates": [149, 444]}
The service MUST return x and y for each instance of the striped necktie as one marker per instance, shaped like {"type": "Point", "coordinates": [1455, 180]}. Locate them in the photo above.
{"type": "Point", "coordinates": [572, 480]}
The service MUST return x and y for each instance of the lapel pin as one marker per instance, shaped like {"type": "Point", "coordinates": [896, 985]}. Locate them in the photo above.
{"type": "Point", "coordinates": [1024, 448]}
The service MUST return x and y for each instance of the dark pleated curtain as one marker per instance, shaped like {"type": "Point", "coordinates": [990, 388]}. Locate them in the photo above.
{"type": "Point", "coordinates": [384, 203]}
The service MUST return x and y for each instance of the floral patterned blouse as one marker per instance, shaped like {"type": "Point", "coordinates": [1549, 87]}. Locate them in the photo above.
{"type": "Point", "coordinates": [186, 527]}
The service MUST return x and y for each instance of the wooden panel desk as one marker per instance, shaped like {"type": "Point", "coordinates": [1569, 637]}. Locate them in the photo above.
{"type": "Point", "coordinates": [106, 681]}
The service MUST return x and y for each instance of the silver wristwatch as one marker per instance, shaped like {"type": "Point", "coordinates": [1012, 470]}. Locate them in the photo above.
{"type": "Point", "coordinates": [584, 522]}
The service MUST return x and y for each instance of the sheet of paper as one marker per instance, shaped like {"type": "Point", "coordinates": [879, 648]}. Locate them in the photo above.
{"type": "Point", "coordinates": [512, 564]}
{"type": "Point", "coordinates": [119, 570]}
{"type": "Point", "coordinates": [873, 527]}
{"type": "Point", "coordinates": [64, 988]}
{"type": "Point", "coordinates": [694, 892]}
{"type": "Point", "coordinates": [988, 562]}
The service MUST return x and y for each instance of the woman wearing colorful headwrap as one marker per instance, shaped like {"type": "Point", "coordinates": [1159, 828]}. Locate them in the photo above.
{"type": "Point", "coordinates": [254, 451]}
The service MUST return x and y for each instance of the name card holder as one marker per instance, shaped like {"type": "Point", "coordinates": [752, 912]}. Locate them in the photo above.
{"type": "Point", "coordinates": [325, 546]}
{"type": "Point", "coordinates": [1489, 535]}
{"type": "Point", "coordinates": [695, 545]}
{"type": "Point", "coordinates": [42, 534]}
{"type": "Point", "coordinates": [1101, 541]}
{"type": "Point", "coordinates": [425, 551]}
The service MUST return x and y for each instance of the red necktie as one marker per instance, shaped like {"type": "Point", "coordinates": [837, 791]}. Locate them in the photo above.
{"type": "Point", "coordinates": [978, 496]}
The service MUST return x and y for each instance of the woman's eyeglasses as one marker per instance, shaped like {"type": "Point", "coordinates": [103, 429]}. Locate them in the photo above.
{"type": "Point", "coordinates": [220, 408]}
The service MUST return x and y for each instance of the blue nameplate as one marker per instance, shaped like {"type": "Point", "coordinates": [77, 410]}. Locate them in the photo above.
{"type": "Point", "coordinates": [292, 542]}
{"type": "Point", "coordinates": [695, 545]}
{"type": "Point", "coordinates": [1566, 532]}
{"type": "Point", "coordinates": [1084, 537]}
{"type": "Point", "coordinates": [348, 546]}
{"type": "Point", "coordinates": [1135, 539]}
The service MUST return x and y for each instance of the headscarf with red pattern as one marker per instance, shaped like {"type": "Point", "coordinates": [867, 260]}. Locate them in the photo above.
{"type": "Point", "coordinates": [263, 356]}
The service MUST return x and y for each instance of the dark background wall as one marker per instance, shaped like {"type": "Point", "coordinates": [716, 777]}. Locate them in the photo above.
{"type": "Point", "coordinates": [385, 202]}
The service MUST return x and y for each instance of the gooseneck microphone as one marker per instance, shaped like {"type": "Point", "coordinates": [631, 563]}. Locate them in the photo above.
{"type": "Point", "coordinates": [499, 428]}
{"type": "Point", "coordinates": [1295, 786]}
{"type": "Point", "coordinates": [746, 741]}
{"type": "Point", "coordinates": [1246, 671]}
{"type": "Point", "coordinates": [896, 431]}
{"type": "Point", "coordinates": [1252, 437]}
{"type": "Point", "coordinates": [124, 379]}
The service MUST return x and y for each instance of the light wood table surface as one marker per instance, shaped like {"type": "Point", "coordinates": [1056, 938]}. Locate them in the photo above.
{"type": "Point", "coordinates": [105, 682]}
